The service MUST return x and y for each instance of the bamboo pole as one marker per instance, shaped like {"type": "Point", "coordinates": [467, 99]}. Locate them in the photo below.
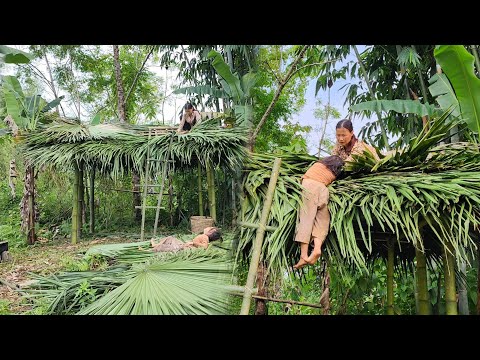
{"type": "Point", "coordinates": [31, 236]}
{"type": "Point", "coordinates": [450, 291]}
{"type": "Point", "coordinates": [255, 226]}
{"type": "Point", "coordinates": [92, 201]}
{"type": "Point", "coordinates": [81, 201]}
{"type": "Point", "coordinates": [390, 263]}
{"type": "Point", "coordinates": [211, 192]}
{"type": "Point", "coordinates": [257, 245]}
{"type": "Point", "coordinates": [75, 209]}
{"type": "Point", "coordinates": [200, 197]}
{"type": "Point", "coordinates": [421, 283]}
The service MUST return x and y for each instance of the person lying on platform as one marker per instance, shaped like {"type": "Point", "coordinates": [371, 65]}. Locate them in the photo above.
{"type": "Point", "coordinates": [171, 243]}
{"type": "Point", "coordinates": [314, 217]}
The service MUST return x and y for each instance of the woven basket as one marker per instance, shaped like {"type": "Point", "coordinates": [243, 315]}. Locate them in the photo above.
{"type": "Point", "coordinates": [198, 223]}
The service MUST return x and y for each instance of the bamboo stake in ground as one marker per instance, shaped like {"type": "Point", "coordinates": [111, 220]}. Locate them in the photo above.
{"type": "Point", "coordinates": [257, 245]}
{"type": "Point", "coordinates": [450, 290]}
{"type": "Point", "coordinates": [390, 262]}
{"type": "Point", "coordinates": [422, 287]}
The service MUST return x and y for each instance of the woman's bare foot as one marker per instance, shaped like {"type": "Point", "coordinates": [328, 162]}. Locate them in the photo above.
{"type": "Point", "coordinates": [312, 259]}
{"type": "Point", "coordinates": [316, 252]}
{"type": "Point", "coordinates": [301, 263]}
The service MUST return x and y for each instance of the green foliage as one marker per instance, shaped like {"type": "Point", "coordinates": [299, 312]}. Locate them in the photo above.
{"type": "Point", "coordinates": [4, 307]}
{"type": "Point", "coordinates": [458, 65]}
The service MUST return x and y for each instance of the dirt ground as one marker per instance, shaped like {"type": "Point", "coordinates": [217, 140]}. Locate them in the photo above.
{"type": "Point", "coordinates": [45, 258]}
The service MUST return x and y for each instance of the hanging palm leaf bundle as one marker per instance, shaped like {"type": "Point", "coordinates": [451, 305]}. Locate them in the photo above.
{"type": "Point", "coordinates": [424, 196]}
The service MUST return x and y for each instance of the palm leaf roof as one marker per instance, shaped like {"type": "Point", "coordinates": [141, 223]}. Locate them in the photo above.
{"type": "Point", "coordinates": [423, 196]}
{"type": "Point", "coordinates": [117, 148]}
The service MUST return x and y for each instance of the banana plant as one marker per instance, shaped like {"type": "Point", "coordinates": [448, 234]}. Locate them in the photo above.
{"type": "Point", "coordinates": [457, 89]}
{"type": "Point", "coordinates": [23, 114]}
{"type": "Point", "coordinates": [457, 63]}
{"type": "Point", "coordinates": [238, 89]}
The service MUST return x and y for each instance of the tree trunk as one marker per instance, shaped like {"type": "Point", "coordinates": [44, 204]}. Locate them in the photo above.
{"type": "Point", "coordinates": [325, 297]}
{"type": "Point", "coordinates": [262, 285]}
{"type": "Point", "coordinates": [28, 206]}
{"type": "Point", "coordinates": [450, 291]}
{"type": "Point", "coordinates": [120, 92]}
{"type": "Point", "coordinates": [390, 263]}
{"type": "Point", "coordinates": [421, 284]}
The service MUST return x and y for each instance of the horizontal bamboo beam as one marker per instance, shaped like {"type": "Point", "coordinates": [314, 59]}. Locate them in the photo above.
{"type": "Point", "coordinates": [318, 306]}
{"type": "Point", "coordinates": [238, 290]}
{"type": "Point", "coordinates": [255, 226]}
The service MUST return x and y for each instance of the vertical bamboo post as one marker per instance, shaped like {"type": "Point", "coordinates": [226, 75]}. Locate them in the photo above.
{"type": "Point", "coordinates": [31, 235]}
{"type": "Point", "coordinates": [211, 192]}
{"type": "Point", "coordinates": [390, 263]}
{"type": "Point", "coordinates": [170, 197]}
{"type": "Point", "coordinates": [75, 209]}
{"type": "Point", "coordinates": [257, 245]}
{"type": "Point", "coordinates": [92, 201]}
{"type": "Point", "coordinates": [81, 200]}
{"type": "Point", "coordinates": [450, 290]}
{"type": "Point", "coordinates": [421, 283]}
{"type": "Point", "coordinates": [200, 197]}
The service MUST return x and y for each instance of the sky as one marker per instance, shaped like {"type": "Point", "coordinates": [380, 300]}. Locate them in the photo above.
{"type": "Point", "coordinates": [337, 98]}
{"type": "Point", "coordinates": [174, 103]}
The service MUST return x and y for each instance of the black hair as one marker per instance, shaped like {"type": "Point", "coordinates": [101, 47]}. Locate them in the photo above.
{"type": "Point", "coordinates": [214, 235]}
{"type": "Point", "coordinates": [334, 163]}
{"type": "Point", "coordinates": [346, 124]}
{"type": "Point", "coordinates": [188, 106]}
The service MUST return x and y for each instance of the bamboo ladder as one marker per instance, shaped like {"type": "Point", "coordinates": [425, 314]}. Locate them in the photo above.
{"type": "Point", "coordinates": [165, 171]}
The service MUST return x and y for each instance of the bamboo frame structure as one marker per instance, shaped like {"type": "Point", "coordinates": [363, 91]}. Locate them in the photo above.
{"type": "Point", "coordinates": [257, 246]}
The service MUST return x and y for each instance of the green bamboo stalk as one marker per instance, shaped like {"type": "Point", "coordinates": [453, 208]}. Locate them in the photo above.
{"type": "Point", "coordinates": [367, 80]}
{"type": "Point", "coordinates": [422, 86]}
{"type": "Point", "coordinates": [92, 201]}
{"type": "Point", "coordinates": [75, 209]}
{"type": "Point", "coordinates": [31, 236]}
{"type": "Point", "coordinates": [421, 283]}
{"type": "Point", "coordinates": [450, 290]}
{"type": "Point", "coordinates": [390, 262]}
{"type": "Point", "coordinates": [211, 192]}
{"type": "Point", "coordinates": [200, 197]}
{"type": "Point", "coordinates": [257, 245]}
{"type": "Point", "coordinates": [81, 201]}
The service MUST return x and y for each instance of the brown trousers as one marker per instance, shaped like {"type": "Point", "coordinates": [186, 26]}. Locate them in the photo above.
{"type": "Point", "coordinates": [314, 218]}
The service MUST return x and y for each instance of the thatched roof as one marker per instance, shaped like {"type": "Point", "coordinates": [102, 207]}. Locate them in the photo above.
{"type": "Point", "coordinates": [424, 196]}
{"type": "Point", "coordinates": [117, 148]}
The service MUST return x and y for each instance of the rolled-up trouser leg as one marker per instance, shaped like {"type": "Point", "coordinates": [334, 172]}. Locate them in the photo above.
{"type": "Point", "coordinates": [311, 196]}
{"type": "Point", "coordinates": [321, 224]}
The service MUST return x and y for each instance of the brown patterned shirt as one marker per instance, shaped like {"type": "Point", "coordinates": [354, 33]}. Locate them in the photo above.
{"type": "Point", "coordinates": [358, 148]}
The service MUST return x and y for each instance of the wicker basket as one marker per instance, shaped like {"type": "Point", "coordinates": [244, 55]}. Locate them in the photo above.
{"type": "Point", "coordinates": [198, 223]}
